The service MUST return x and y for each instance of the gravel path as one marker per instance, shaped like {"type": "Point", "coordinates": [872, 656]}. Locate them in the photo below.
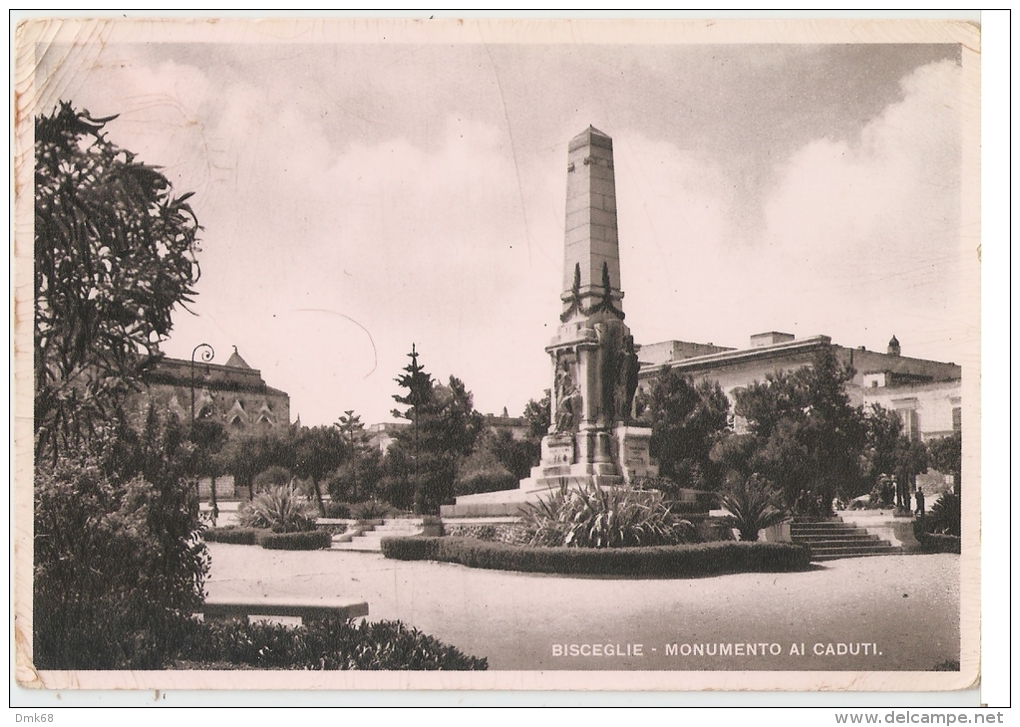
{"type": "Point", "coordinates": [905, 608]}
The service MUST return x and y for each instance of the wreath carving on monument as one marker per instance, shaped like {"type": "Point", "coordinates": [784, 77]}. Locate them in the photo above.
{"type": "Point", "coordinates": [606, 302]}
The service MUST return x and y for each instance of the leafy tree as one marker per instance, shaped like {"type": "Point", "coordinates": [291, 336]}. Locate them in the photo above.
{"type": "Point", "coordinates": [884, 430]}
{"type": "Point", "coordinates": [687, 421]}
{"type": "Point", "coordinates": [357, 477]}
{"type": "Point", "coordinates": [318, 452]}
{"type": "Point", "coordinates": [484, 470]}
{"type": "Point", "coordinates": [422, 461]}
{"type": "Point", "coordinates": [274, 476]}
{"type": "Point", "coordinates": [946, 456]}
{"type": "Point", "coordinates": [246, 457]}
{"type": "Point", "coordinates": [208, 437]}
{"type": "Point", "coordinates": [539, 417]}
{"type": "Point", "coordinates": [119, 569]}
{"type": "Point", "coordinates": [114, 254]}
{"type": "Point", "coordinates": [805, 434]}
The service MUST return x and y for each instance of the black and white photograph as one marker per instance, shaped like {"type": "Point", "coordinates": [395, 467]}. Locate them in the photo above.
{"type": "Point", "coordinates": [547, 355]}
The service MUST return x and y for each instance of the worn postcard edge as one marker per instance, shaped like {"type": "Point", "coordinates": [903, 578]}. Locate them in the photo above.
{"type": "Point", "coordinates": [32, 32]}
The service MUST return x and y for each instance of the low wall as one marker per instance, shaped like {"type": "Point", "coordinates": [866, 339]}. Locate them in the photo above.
{"type": "Point", "coordinates": [897, 530]}
{"type": "Point", "coordinates": [490, 529]}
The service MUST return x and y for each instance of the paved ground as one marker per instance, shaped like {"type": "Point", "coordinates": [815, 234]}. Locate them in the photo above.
{"type": "Point", "coordinates": [905, 608]}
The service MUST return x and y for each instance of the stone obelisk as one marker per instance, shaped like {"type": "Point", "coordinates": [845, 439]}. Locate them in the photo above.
{"type": "Point", "coordinates": [594, 366]}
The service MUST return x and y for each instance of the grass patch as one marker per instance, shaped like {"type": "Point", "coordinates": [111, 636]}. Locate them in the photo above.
{"type": "Point", "coordinates": [663, 561]}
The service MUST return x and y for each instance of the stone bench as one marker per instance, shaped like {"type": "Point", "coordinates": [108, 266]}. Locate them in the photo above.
{"type": "Point", "coordinates": [221, 609]}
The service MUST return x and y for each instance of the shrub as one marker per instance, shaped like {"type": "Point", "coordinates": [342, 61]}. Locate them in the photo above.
{"type": "Point", "coordinates": [331, 643]}
{"type": "Point", "coordinates": [664, 561]}
{"type": "Point", "coordinates": [371, 510]}
{"type": "Point", "coordinates": [945, 517]}
{"type": "Point", "coordinates": [307, 540]}
{"type": "Point", "coordinates": [487, 481]}
{"type": "Point", "coordinates": [483, 472]}
{"type": "Point", "coordinates": [119, 567]}
{"type": "Point", "coordinates": [234, 535]}
{"type": "Point", "coordinates": [279, 509]}
{"type": "Point", "coordinates": [338, 510]}
{"type": "Point", "coordinates": [603, 517]}
{"type": "Point", "coordinates": [751, 507]}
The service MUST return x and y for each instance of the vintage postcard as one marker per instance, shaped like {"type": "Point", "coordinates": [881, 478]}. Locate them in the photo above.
{"type": "Point", "coordinates": [497, 354]}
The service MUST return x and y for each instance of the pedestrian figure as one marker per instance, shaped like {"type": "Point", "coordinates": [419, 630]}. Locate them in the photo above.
{"type": "Point", "coordinates": [919, 497]}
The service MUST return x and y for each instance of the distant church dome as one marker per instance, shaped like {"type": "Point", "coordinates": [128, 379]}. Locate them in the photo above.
{"type": "Point", "coordinates": [894, 347]}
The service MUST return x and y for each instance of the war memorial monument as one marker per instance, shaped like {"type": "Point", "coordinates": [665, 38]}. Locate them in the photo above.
{"type": "Point", "coordinates": [594, 364]}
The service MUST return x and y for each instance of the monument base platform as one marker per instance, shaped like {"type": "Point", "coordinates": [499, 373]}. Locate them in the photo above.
{"type": "Point", "coordinates": [626, 451]}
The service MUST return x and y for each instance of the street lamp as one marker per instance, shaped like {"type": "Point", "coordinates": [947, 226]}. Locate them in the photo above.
{"type": "Point", "coordinates": [207, 355]}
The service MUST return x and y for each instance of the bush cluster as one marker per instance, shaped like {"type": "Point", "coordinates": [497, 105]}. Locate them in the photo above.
{"type": "Point", "coordinates": [665, 561]}
{"type": "Point", "coordinates": [603, 517]}
{"type": "Point", "coordinates": [119, 566]}
{"type": "Point", "coordinates": [311, 540]}
{"type": "Point", "coordinates": [370, 510]}
{"type": "Point", "coordinates": [331, 643]}
{"type": "Point", "coordinates": [279, 509]}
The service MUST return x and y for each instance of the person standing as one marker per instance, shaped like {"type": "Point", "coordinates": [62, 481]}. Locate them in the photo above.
{"type": "Point", "coordinates": [919, 498]}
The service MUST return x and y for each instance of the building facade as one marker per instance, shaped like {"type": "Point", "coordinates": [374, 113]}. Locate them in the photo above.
{"type": "Point", "coordinates": [926, 394]}
{"type": "Point", "coordinates": [233, 394]}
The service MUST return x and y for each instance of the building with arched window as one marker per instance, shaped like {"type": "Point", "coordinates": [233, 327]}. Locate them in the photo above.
{"type": "Point", "coordinates": [233, 394]}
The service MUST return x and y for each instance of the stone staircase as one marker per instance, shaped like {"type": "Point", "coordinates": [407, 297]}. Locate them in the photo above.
{"type": "Point", "coordinates": [367, 537]}
{"type": "Point", "coordinates": [832, 539]}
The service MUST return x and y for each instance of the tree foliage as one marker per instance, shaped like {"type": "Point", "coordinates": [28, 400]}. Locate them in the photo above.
{"type": "Point", "coordinates": [946, 456]}
{"type": "Point", "coordinates": [803, 435]}
{"type": "Point", "coordinates": [318, 452]}
{"type": "Point", "coordinates": [119, 567]}
{"type": "Point", "coordinates": [114, 254]}
{"type": "Point", "coordinates": [421, 464]}
{"type": "Point", "coordinates": [687, 421]}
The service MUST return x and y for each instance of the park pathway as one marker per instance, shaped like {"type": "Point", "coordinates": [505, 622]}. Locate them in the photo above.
{"type": "Point", "coordinates": [907, 606]}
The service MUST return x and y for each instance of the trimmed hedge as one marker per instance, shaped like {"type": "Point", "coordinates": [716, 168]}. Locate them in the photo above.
{"type": "Point", "coordinates": [235, 535]}
{"type": "Point", "coordinates": [665, 561]}
{"type": "Point", "coordinates": [310, 540]}
{"type": "Point", "coordinates": [939, 543]}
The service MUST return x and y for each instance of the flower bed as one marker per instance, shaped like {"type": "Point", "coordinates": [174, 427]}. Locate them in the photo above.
{"type": "Point", "coordinates": [665, 561]}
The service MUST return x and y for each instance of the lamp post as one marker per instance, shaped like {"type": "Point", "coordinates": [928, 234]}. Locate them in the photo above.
{"type": "Point", "coordinates": [207, 355]}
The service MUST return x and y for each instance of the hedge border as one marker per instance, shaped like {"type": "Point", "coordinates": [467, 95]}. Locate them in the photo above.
{"type": "Point", "coordinates": [667, 561]}
{"type": "Point", "coordinates": [308, 540]}
{"type": "Point", "coordinates": [939, 543]}
{"type": "Point", "coordinates": [233, 535]}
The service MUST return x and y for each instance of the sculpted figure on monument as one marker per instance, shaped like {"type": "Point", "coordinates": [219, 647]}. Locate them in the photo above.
{"type": "Point", "coordinates": [628, 379]}
{"type": "Point", "coordinates": [567, 399]}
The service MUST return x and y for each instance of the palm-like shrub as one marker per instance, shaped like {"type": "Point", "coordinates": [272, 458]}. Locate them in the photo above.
{"type": "Point", "coordinates": [279, 509]}
{"type": "Point", "coordinates": [945, 516]}
{"type": "Point", "coordinates": [603, 517]}
{"type": "Point", "coordinates": [370, 510]}
{"type": "Point", "coordinates": [751, 507]}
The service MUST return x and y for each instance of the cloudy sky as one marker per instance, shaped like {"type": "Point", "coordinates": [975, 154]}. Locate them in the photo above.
{"type": "Point", "coordinates": [358, 197]}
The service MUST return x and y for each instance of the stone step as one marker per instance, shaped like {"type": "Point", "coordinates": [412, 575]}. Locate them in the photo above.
{"type": "Point", "coordinates": [822, 528]}
{"type": "Point", "coordinates": [370, 539]}
{"type": "Point", "coordinates": [834, 553]}
{"type": "Point", "coordinates": [846, 541]}
{"type": "Point", "coordinates": [832, 539]}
